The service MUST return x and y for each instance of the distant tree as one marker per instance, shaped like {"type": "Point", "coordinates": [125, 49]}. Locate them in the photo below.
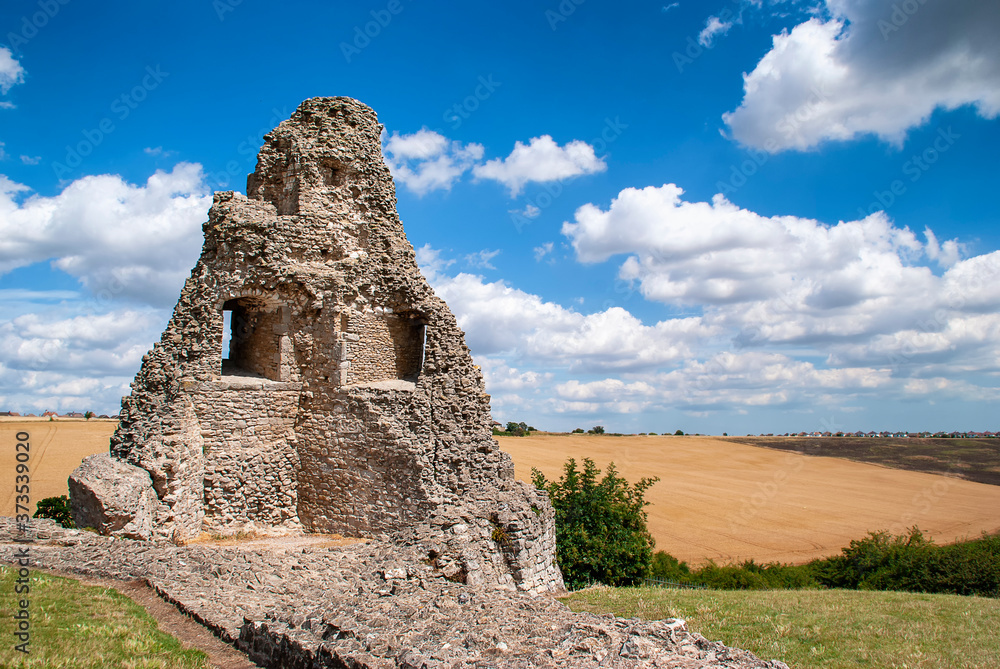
{"type": "Point", "coordinates": [601, 533]}
{"type": "Point", "coordinates": [578, 430]}
{"type": "Point", "coordinates": [725, 434]}
{"type": "Point", "coordinates": [597, 429]}
{"type": "Point", "coordinates": [679, 433]}
{"type": "Point", "coordinates": [517, 429]}
{"type": "Point", "coordinates": [56, 508]}
{"type": "Point", "coordinates": [88, 415]}
{"type": "Point", "coordinates": [652, 434]}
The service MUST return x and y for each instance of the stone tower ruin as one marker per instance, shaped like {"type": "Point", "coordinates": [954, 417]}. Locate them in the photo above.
{"type": "Point", "coordinates": [347, 402]}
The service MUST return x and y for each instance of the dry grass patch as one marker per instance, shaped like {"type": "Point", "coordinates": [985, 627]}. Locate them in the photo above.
{"type": "Point", "coordinates": [823, 629]}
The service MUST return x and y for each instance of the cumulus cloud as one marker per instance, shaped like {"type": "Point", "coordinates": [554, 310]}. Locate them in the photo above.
{"type": "Point", "coordinates": [541, 160]}
{"type": "Point", "coordinates": [498, 318]}
{"type": "Point", "coordinates": [426, 160]}
{"type": "Point", "coordinates": [876, 67]}
{"type": "Point", "coordinates": [11, 72]}
{"type": "Point", "coordinates": [850, 290]}
{"type": "Point", "coordinates": [120, 240]}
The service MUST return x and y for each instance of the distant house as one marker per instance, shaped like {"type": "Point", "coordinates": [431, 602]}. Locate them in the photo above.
{"type": "Point", "coordinates": [103, 415]}
{"type": "Point", "coordinates": [74, 414]}
{"type": "Point", "coordinates": [50, 414]}
{"type": "Point", "coordinates": [9, 413]}
{"type": "Point", "coordinates": [30, 415]}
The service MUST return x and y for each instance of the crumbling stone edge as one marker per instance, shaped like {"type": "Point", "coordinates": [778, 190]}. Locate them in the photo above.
{"type": "Point", "coordinates": [378, 604]}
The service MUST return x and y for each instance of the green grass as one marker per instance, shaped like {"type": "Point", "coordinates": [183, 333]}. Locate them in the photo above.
{"type": "Point", "coordinates": [76, 626]}
{"type": "Point", "coordinates": [826, 629]}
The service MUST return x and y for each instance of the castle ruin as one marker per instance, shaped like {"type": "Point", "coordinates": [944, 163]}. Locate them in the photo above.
{"type": "Point", "coordinates": [347, 402]}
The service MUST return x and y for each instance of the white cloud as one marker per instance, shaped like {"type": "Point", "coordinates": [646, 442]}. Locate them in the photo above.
{"type": "Point", "coordinates": [871, 68]}
{"type": "Point", "coordinates": [850, 291]}
{"type": "Point", "coordinates": [3, 152]}
{"type": "Point", "coordinates": [542, 251]}
{"type": "Point", "coordinates": [712, 28]}
{"type": "Point", "coordinates": [426, 160]}
{"type": "Point", "coordinates": [118, 239]}
{"type": "Point", "coordinates": [482, 259]}
{"type": "Point", "coordinates": [31, 160]}
{"type": "Point", "coordinates": [541, 160]}
{"type": "Point", "coordinates": [11, 72]}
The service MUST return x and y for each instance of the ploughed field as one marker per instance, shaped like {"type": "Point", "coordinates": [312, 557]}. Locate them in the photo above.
{"type": "Point", "coordinates": [716, 498]}
{"type": "Point", "coordinates": [56, 448]}
{"type": "Point", "coordinates": [971, 459]}
{"type": "Point", "coordinates": [727, 501]}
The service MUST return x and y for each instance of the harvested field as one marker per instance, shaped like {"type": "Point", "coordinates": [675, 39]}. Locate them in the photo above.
{"type": "Point", "coordinates": [57, 447]}
{"type": "Point", "coordinates": [971, 459]}
{"type": "Point", "coordinates": [730, 502]}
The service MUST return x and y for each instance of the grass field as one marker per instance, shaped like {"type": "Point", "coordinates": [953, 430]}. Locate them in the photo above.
{"type": "Point", "coordinates": [57, 448]}
{"type": "Point", "coordinates": [74, 626]}
{"type": "Point", "coordinates": [731, 502]}
{"type": "Point", "coordinates": [972, 459]}
{"type": "Point", "coordinates": [823, 629]}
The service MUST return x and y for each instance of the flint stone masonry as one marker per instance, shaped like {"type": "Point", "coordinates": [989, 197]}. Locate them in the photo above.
{"type": "Point", "coordinates": [348, 401]}
{"type": "Point", "coordinates": [375, 605]}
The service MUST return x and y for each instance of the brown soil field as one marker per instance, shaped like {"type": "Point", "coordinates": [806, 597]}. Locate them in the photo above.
{"type": "Point", "coordinates": [715, 500]}
{"type": "Point", "coordinates": [56, 449]}
{"type": "Point", "coordinates": [731, 502]}
{"type": "Point", "coordinates": [971, 459]}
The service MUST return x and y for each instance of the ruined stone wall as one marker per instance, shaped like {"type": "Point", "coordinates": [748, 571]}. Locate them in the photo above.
{"type": "Point", "coordinates": [251, 462]}
{"type": "Point", "coordinates": [367, 414]}
{"type": "Point", "coordinates": [382, 346]}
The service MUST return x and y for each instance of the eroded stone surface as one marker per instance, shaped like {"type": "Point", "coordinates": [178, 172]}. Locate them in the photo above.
{"type": "Point", "coordinates": [349, 401]}
{"type": "Point", "coordinates": [377, 604]}
{"type": "Point", "coordinates": [113, 497]}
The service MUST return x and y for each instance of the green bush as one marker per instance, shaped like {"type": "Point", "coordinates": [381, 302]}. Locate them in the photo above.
{"type": "Point", "coordinates": [601, 533]}
{"type": "Point", "coordinates": [913, 563]}
{"type": "Point", "coordinates": [56, 508]}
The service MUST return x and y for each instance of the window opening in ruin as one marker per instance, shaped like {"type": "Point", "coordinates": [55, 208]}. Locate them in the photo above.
{"type": "Point", "coordinates": [250, 345]}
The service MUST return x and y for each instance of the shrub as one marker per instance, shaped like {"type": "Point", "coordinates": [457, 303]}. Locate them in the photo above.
{"type": "Point", "coordinates": [56, 508]}
{"type": "Point", "coordinates": [578, 430]}
{"type": "Point", "coordinates": [911, 562]}
{"type": "Point", "coordinates": [597, 429]}
{"type": "Point", "coordinates": [601, 533]}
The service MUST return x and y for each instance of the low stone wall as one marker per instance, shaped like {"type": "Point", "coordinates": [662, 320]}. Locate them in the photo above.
{"type": "Point", "coordinates": [371, 605]}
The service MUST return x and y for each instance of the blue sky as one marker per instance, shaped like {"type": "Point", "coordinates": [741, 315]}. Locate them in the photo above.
{"type": "Point", "coordinates": [743, 216]}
